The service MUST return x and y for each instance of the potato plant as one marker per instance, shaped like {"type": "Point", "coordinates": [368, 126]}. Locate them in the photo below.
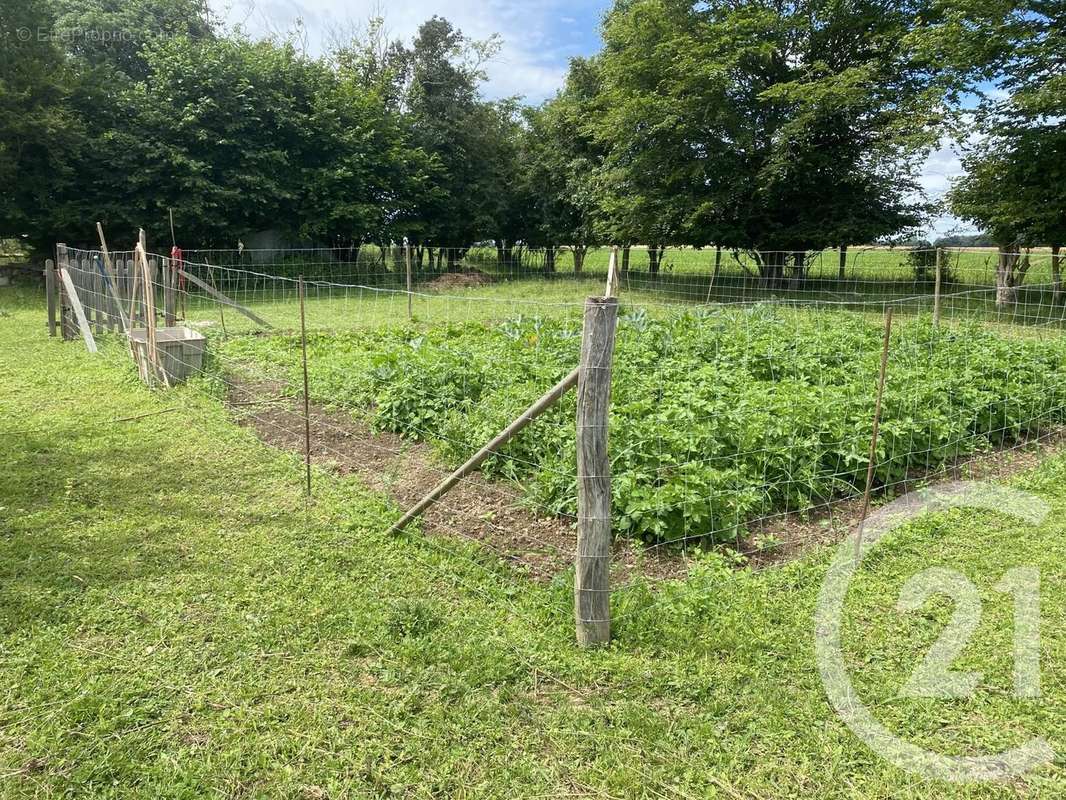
{"type": "Point", "coordinates": [717, 417]}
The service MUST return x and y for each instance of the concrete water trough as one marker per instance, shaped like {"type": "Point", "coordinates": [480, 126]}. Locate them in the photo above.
{"type": "Point", "coordinates": [180, 349]}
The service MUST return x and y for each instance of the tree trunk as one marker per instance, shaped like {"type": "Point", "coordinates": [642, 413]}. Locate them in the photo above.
{"type": "Point", "coordinates": [717, 263]}
{"type": "Point", "coordinates": [843, 262]}
{"type": "Point", "coordinates": [799, 268]}
{"type": "Point", "coordinates": [420, 252]}
{"type": "Point", "coordinates": [623, 268]}
{"type": "Point", "coordinates": [579, 258]}
{"type": "Point", "coordinates": [453, 259]}
{"type": "Point", "coordinates": [655, 254]}
{"type": "Point", "coordinates": [772, 269]}
{"type": "Point", "coordinates": [1006, 286]}
{"type": "Point", "coordinates": [1056, 274]}
{"type": "Point", "coordinates": [549, 259]}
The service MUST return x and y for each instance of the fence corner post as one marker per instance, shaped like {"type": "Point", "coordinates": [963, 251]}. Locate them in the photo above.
{"type": "Point", "coordinates": [592, 599]}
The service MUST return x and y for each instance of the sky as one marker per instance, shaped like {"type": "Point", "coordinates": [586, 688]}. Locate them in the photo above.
{"type": "Point", "coordinates": [539, 37]}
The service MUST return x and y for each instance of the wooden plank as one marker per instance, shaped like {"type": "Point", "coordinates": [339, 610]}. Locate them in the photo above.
{"type": "Point", "coordinates": [50, 294]}
{"type": "Point", "coordinates": [113, 283]}
{"type": "Point", "coordinates": [592, 592]}
{"type": "Point", "coordinates": [546, 401]}
{"type": "Point", "coordinates": [79, 312]}
{"type": "Point", "coordinates": [223, 299]}
{"type": "Point", "coordinates": [65, 313]}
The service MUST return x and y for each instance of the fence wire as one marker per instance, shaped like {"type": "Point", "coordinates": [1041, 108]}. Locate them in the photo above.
{"type": "Point", "coordinates": [742, 424]}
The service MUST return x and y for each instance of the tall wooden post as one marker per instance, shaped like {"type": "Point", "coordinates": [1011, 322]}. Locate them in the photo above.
{"type": "Point", "coordinates": [872, 461]}
{"type": "Point", "coordinates": [936, 286]}
{"type": "Point", "coordinates": [612, 273]}
{"type": "Point", "coordinates": [307, 399]}
{"type": "Point", "coordinates": [65, 321]}
{"type": "Point", "coordinates": [50, 294]}
{"type": "Point", "coordinates": [592, 607]}
{"type": "Point", "coordinates": [407, 249]}
{"type": "Point", "coordinates": [169, 316]}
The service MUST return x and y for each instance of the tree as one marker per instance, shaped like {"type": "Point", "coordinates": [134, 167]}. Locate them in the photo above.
{"type": "Point", "coordinates": [458, 131]}
{"type": "Point", "coordinates": [113, 33]}
{"type": "Point", "coordinates": [567, 163]}
{"type": "Point", "coordinates": [39, 136]}
{"type": "Point", "coordinates": [1016, 168]}
{"type": "Point", "coordinates": [765, 126]}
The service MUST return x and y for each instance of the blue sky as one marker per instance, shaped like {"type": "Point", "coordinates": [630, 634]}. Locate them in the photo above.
{"type": "Point", "coordinates": [539, 38]}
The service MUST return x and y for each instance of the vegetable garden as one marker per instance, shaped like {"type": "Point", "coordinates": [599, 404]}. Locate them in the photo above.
{"type": "Point", "coordinates": [719, 416]}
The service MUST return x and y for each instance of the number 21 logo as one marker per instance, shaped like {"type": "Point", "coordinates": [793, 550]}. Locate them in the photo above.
{"type": "Point", "coordinates": [933, 677]}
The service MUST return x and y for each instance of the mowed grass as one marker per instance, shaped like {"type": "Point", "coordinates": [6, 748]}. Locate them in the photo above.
{"type": "Point", "coordinates": [176, 622]}
{"type": "Point", "coordinates": [371, 294]}
{"type": "Point", "coordinates": [354, 307]}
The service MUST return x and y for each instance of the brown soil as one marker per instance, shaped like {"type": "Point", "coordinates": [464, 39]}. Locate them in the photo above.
{"type": "Point", "coordinates": [459, 280]}
{"type": "Point", "coordinates": [477, 509]}
{"type": "Point", "coordinates": [794, 533]}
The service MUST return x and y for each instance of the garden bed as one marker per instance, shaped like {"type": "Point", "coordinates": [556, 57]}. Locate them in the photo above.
{"type": "Point", "coordinates": [718, 418]}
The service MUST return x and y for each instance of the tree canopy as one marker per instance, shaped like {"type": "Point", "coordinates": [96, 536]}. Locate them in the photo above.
{"type": "Point", "coordinates": [766, 126]}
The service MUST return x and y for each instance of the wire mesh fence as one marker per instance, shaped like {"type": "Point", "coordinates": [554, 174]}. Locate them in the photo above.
{"type": "Point", "coordinates": [743, 424]}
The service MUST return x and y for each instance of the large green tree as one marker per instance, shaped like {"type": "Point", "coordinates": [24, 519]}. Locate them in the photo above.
{"type": "Point", "coordinates": [40, 136]}
{"type": "Point", "coordinates": [1015, 165]}
{"type": "Point", "coordinates": [769, 126]}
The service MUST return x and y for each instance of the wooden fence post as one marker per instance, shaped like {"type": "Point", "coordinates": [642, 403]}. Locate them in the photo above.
{"type": "Point", "coordinates": [872, 462]}
{"type": "Point", "coordinates": [65, 314]}
{"type": "Point", "coordinates": [407, 249]}
{"type": "Point", "coordinates": [170, 312]}
{"type": "Point", "coordinates": [307, 396]}
{"type": "Point", "coordinates": [936, 286]}
{"type": "Point", "coordinates": [50, 294]}
{"type": "Point", "coordinates": [592, 599]}
{"type": "Point", "coordinates": [612, 272]}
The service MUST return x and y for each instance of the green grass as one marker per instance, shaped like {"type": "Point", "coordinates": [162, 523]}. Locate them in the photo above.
{"type": "Point", "coordinates": [175, 623]}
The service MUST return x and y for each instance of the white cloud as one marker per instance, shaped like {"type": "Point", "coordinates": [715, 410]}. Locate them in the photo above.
{"type": "Point", "coordinates": [942, 167]}
{"type": "Point", "coordinates": [532, 60]}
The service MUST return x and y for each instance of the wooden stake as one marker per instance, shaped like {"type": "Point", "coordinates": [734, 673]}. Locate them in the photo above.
{"type": "Point", "coordinates": [717, 268]}
{"type": "Point", "coordinates": [873, 436]}
{"type": "Point", "coordinates": [223, 299]}
{"type": "Point", "coordinates": [307, 399]}
{"type": "Point", "coordinates": [149, 315]}
{"type": "Point", "coordinates": [214, 286]}
{"type": "Point", "coordinates": [50, 294]}
{"type": "Point", "coordinates": [546, 401]}
{"type": "Point", "coordinates": [592, 606]}
{"type": "Point", "coordinates": [612, 273]}
{"type": "Point", "coordinates": [112, 275]}
{"type": "Point", "coordinates": [936, 286]}
{"type": "Point", "coordinates": [410, 313]}
{"type": "Point", "coordinates": [169, 279]}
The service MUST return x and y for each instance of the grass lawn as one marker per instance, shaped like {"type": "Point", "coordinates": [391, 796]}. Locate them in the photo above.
{"type": "Point", "coordinates": [176, 622]}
